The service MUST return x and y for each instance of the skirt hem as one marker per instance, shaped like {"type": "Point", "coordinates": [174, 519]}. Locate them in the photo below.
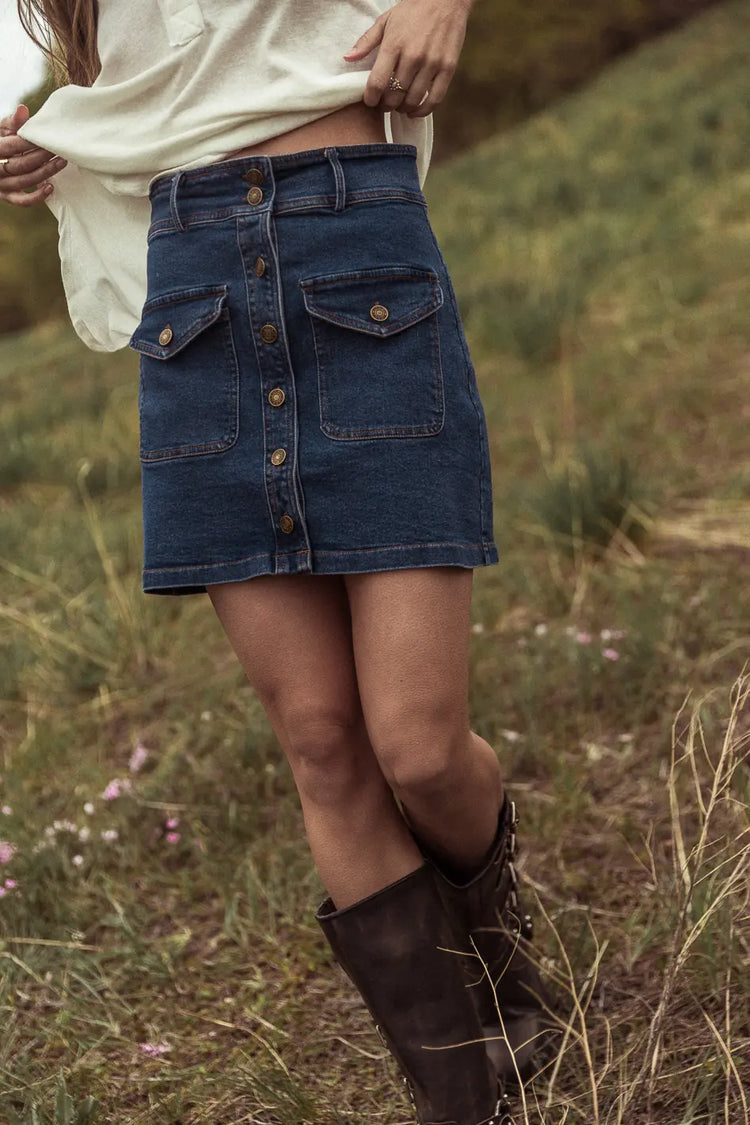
{"type": "Point", "coordinates": [194, 579]}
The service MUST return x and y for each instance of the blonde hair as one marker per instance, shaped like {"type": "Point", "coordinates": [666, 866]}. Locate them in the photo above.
{"type": "Point", "coordinates": [65, 30]}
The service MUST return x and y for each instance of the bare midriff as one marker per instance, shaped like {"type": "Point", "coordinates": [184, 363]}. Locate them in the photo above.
{"type": "Point", "coordinates": [353, 124]}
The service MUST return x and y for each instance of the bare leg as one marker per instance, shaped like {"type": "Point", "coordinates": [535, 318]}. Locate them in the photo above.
{"type": "Point", "coordinates": [411, 632]}
{"type": "Point", "coordinates": [292, 634]}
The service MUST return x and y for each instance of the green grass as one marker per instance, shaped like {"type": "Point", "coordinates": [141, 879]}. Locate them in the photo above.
{"type": "Point", "coordinates": [601, 257]}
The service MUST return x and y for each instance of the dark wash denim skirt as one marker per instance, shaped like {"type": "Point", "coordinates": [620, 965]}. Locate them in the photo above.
{"type": "Point", "coordinates": [307, 401]}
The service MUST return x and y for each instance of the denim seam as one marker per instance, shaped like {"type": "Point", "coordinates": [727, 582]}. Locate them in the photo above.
{"type": "Point", "coordinates": [302, 551]}
{"type": "Point", "coordinates": [218, 445]}
{"type": "Point", "coordinates": [297, 205]}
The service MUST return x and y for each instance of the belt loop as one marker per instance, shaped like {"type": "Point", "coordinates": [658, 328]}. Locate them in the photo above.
{"type": "Point", "coordinates": [173, 200]}
{"type": "Point", "coordinates": [338, 173]}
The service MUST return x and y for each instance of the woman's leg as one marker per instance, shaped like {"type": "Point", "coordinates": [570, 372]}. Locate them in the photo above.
{"type": "Point", "coordinates": [411, 631]}
{"type": "Point", "coordinates": [292, 634]}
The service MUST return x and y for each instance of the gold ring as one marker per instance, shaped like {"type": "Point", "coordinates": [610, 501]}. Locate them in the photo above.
{"type": "Point", "coordinates": [394, 84]}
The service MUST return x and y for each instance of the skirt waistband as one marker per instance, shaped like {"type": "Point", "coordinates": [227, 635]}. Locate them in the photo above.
{"type": "Point", "coordinates": [329, 177]}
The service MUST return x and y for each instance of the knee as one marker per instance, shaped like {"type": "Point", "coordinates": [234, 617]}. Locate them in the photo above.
{"type": "Point", "coordinates": [324, 750]}
{"type": "Point", "coordinates": [423, 753]}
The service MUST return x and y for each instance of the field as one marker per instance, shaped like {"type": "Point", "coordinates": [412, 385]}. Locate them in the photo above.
{"type": "Point", "coordinates": [159, 960]}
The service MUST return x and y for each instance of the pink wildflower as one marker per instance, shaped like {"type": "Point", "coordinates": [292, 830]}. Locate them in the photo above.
{"type": "Point", "coordinates": [7, 851]}
{"type": "Point", "coordinates": [3, 892]}
{"type": "Point", "coordinates": [6, 810]}
{"type": "Point", "coordinates": [610, 654]}
{"type": "Point", "coordinates": [116, 787]}
{"type": "Point", "coordinates": [138, 757]}
{"type": "Point", "coordinates": [10, 884]}
{"type": "Point", "coordinates": [173, 837]}
{"type": "Point", "coordinates": [154, 1049]}
{"type": "Point", "coordinates": [77, 861]}
{"type": "Point", "coordinates": [583, 638]}
{"type": "Point", "coordinates": [612, 634]}
{"type": "Point", "coordinates": [109, 834]}
{"type": "Point", "coordinates": [173, 822]}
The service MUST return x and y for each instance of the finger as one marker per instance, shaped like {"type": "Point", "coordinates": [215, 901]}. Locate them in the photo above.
{"type": "Point", "coordinates": [12, 145]}
{"type": "Point", "coordinates": [39, 161]}
{"type": "Point", "coordinates": [35, 164]}
{"type": "Point", "coordinates": [418, 88]}
{"type": "Point", "coordinates": [377, 83]}
{"type": "Point", "coordinates": [25, 179]}
{"type": "Point", "coordinates": [438, 90]}
{"type": "Point", "coordinates": [406, 71]}
{"type": "Point", "coordinates": [28, 198]}
{"type": "Point", "coordinates": [368, 40]}
{"type": "Point", "coordinates": [13, 122]}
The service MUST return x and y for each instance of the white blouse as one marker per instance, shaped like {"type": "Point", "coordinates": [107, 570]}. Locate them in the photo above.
{"type": "Point", "coordinates": [185, 83]}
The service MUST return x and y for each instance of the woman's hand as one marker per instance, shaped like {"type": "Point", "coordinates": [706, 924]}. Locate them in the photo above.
{"type": "Point", "coordinates": [28, 165]}
{"type": "Point", "coordinates": [420, 42]}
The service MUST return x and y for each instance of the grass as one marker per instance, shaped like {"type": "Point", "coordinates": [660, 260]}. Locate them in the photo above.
{"type": "Point", "coordinates": [601, 257]}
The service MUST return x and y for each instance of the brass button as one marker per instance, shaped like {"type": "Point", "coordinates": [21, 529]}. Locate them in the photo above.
{"type": "Point", "coordinates": [286, 523]}
{"type": "Point", "coordinates": [276, 396]}
{"type": "Point", "coordinates": [259, 267]}
{"type": "Point", "coordinates": [165, 336]}
{"type": "Point", "coordinates": [268, 334]}
{"type": "Point", "coordinates": [379, 312]}
{"type": "Point", "coordinates": [254, 195]}
{"type": "Point", "coordinates": [253, 176]}
{"type": "Point", "coordinates": [278, 457]}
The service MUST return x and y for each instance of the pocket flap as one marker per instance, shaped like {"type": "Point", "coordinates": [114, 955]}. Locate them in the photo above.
{"type": "Point", "coordinates": [172, 320]}
{"type": "Point", "coordinates": [379, 301]}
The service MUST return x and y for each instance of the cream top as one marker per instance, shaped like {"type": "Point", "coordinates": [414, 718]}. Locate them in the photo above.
{"type": "Point", "coordinates": [185, 83]}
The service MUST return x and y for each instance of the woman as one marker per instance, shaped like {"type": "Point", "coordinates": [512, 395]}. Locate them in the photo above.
{"type": "Point", "coordinates": [240, 202]}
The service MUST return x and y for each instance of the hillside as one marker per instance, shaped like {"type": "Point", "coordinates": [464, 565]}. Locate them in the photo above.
{"type": "Point", "coordinates": [601, 259]}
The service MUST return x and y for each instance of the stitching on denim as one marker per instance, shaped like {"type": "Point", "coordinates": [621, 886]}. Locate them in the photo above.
{"type": "Point", "coordinates": [173, 208]}
{"type": "Point", "coordinates": [485, 480]}
{"type": "Point", "coordinates": [179, 295]}
{"type": "Point", "coordinates": [338, 176]}
{"type": "Point", "coordinates": [380, 330]}
{"type": "Point", "coordinates": [230, 438]}
{"type": "Point", "coordinates": [335, 432]}
{"type": "Point", "coordinates": [483, 546]}
{"type": "Point", "coordinates": [282, 159]}
{"type": "Point", "coordinates": [404, 547]}
{"type": "Point", "coordinates": [377, 273]}
{"type": "Point", "coordinates": [299, 204]}
{"type": "Point", "coordinates": [164, 352]}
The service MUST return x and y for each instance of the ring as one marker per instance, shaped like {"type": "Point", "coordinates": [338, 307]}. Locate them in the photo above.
{"type": "Point", "coordinates": [3, 162]}
{"type": "Point", "coordinates": [394, 84]}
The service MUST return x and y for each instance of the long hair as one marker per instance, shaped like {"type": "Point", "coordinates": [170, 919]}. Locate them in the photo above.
{"type": "Point", "coordinates": [65, 30]}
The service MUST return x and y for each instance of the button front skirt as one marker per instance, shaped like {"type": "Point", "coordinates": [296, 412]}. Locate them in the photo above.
{"type": "Point", "coordinates": [307, 399]}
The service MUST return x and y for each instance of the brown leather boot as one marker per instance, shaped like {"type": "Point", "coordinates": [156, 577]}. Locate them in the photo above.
{"type": "Point", "coordinates": [488, 912]}
{"type": "Point", "coordinates": [395, 946]}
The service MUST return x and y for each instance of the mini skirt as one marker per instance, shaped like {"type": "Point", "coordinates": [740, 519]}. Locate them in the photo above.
{"type": "Point", "coordinates": [307, 402]}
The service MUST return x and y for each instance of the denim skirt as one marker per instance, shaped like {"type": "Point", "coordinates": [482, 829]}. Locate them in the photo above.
{"type": "Point", "coordinates": [307, 400]}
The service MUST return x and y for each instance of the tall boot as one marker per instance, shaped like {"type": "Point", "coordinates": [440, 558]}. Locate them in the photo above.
{"type": "Point", "coordinates": [396, 947]}
{"type": "Point", "coordinates": [487, 910]}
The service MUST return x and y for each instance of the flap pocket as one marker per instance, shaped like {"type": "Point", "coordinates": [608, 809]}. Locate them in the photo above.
{"type": "Point", "coordinates": [171, 321]}
{"type": "Point", "coordinates": [379, 301]}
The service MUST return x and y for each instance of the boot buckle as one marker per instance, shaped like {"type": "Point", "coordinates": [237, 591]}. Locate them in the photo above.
{"type": "Point", "coordinates": [502, 1114]}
